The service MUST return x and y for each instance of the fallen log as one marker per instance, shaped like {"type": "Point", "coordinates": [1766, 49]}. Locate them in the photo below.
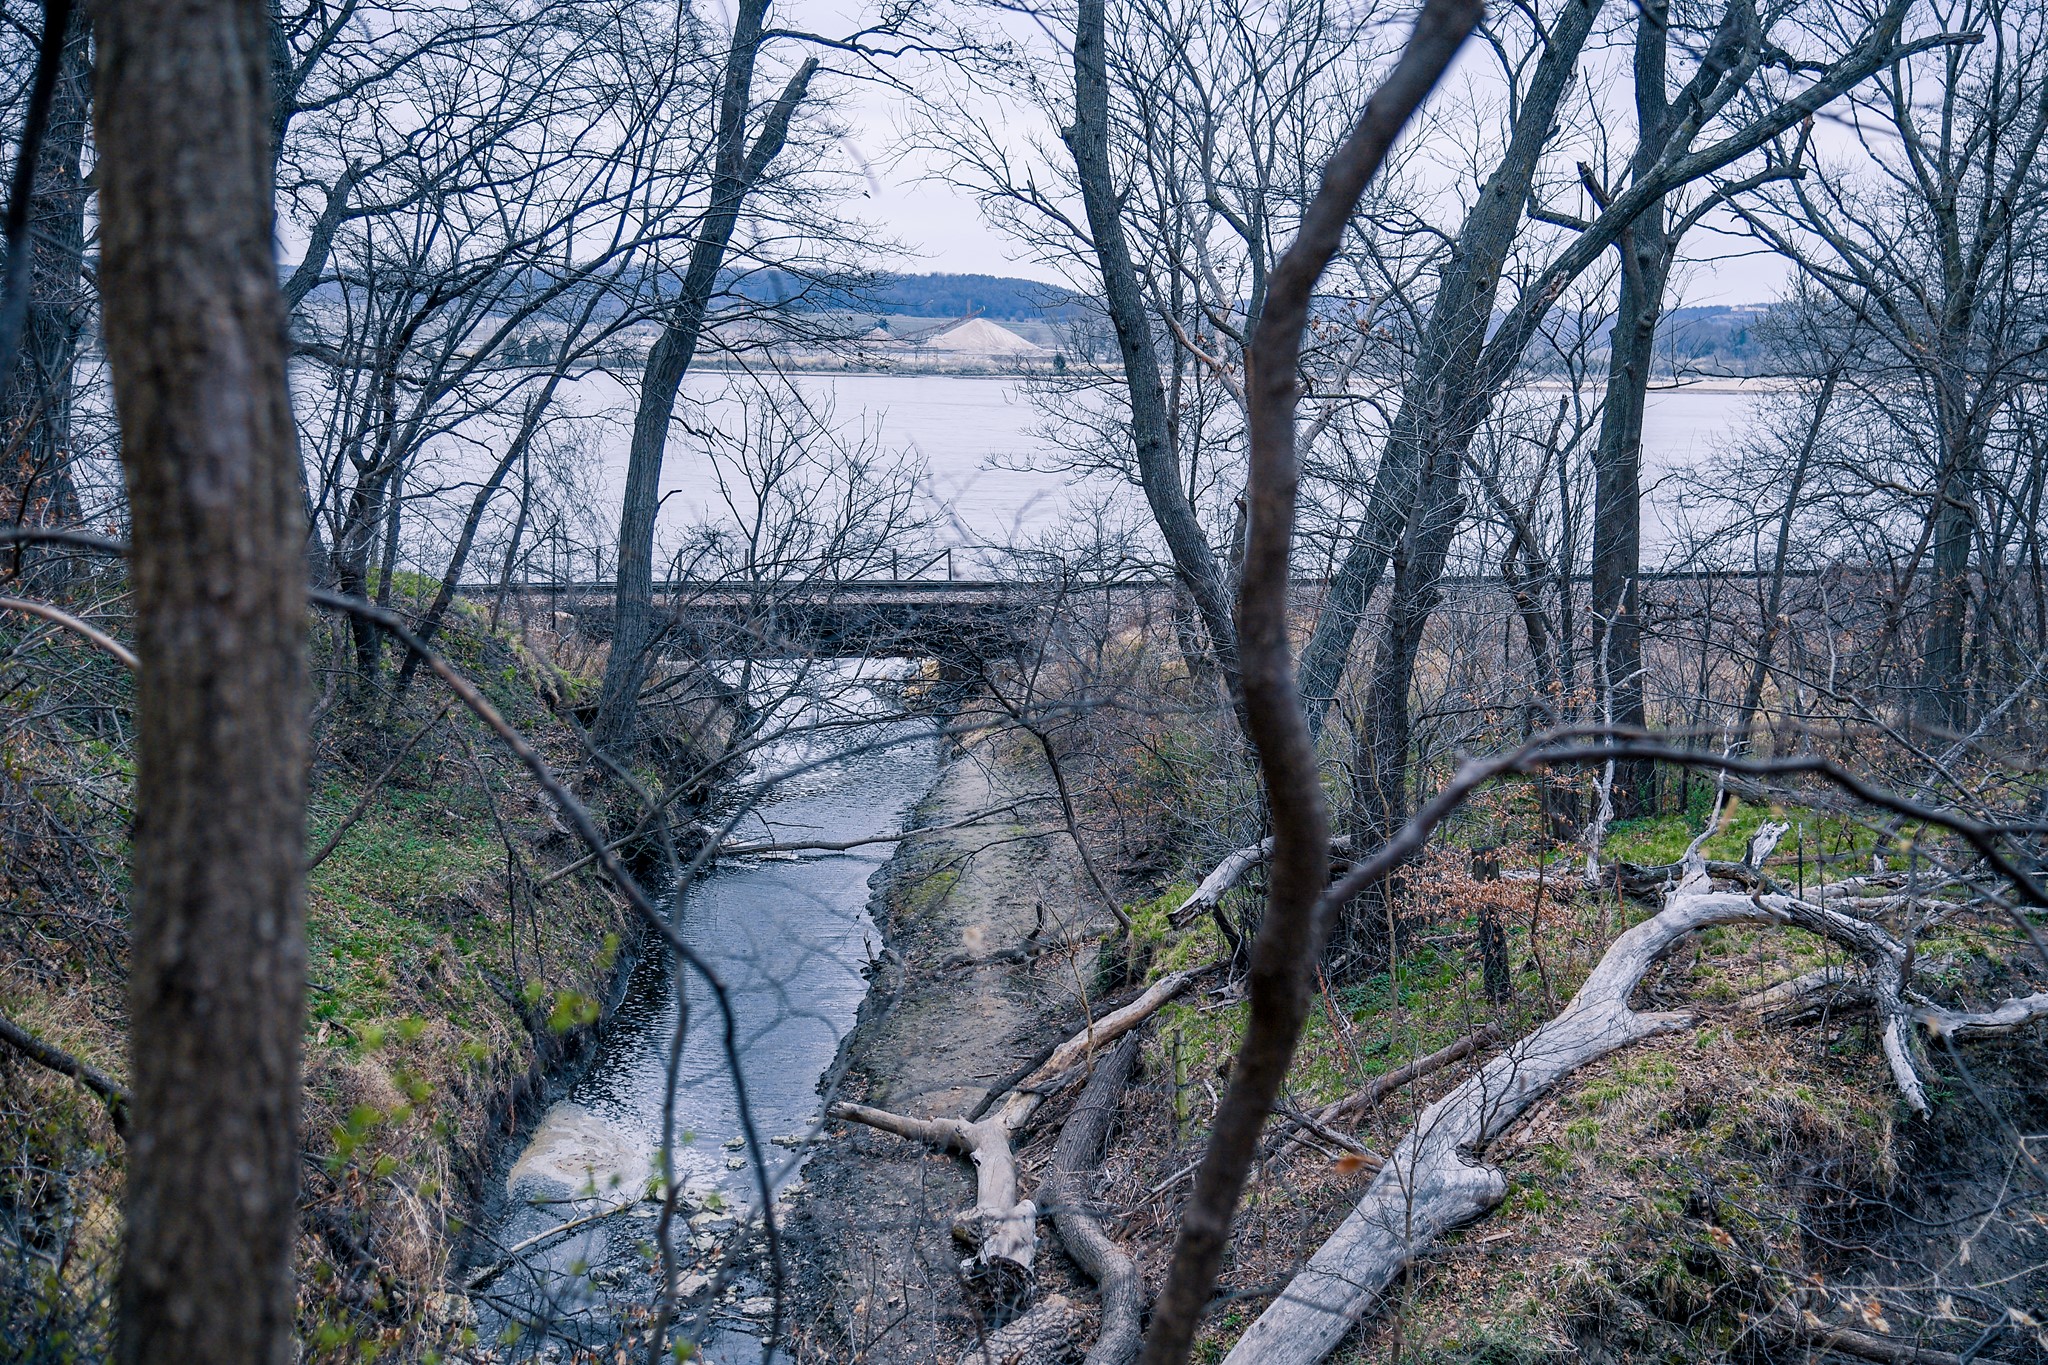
{"type": "Point", "coordinates": [1001, 1225]}
{"type": "Point", "coordinates": [110, 1091]}
{"type": "Point", "coordinates": [1224, 879]}
{"type": "Point", "coordinates": [1071, 1199]}
{"type": "Point", "coordinates": [485, 1274]}
{"type": "Point", "coordinates": [1433, 1183]}
{"type": "Point", "coordinates": [1043, 1336]}
{"type": "Point", "coordinates": [1032, 1091]}
{"type": "Point", "coordinates": [1796, 990]}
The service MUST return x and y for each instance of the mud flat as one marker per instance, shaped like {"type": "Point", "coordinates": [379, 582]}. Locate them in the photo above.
{"type": "Point", "coordinates": [953, 1010]}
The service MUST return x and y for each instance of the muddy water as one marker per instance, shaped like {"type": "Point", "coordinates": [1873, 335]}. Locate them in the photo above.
{"type": "Point", "coordinates": [790, 938]}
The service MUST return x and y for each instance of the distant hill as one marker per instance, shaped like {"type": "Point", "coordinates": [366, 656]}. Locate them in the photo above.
{"type": "Point", "coordinates": [1002, 298]}
{"type": "Point", "coordinates": [1713, 338]}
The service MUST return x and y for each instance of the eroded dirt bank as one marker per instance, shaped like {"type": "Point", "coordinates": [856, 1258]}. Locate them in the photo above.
{"type": "Point", "coordinates": [959, 1003]}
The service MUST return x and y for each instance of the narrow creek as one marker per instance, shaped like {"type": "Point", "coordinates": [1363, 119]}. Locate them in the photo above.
{"type": "Point", "coordinates": [790, 937]}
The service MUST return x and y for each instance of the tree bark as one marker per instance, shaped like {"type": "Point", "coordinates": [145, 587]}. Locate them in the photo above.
{"type": "Point", "coordinates": [196, 342]}
{"type": "Point", "coordinates": [1043, 1336]}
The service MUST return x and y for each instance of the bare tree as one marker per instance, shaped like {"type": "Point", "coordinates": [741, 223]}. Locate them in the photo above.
{"type": "Point", "coordinates": [1291, 935]}
{"type": "Point", "coordinates": [744, 151]}
{"type": "Point", "coordinates": [1951, 143]}
{"type": "Point", "coordinates": [196, 337]}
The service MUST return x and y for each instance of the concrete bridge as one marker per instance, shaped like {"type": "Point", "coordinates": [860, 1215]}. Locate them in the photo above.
{"type": "Point", "coordinates": [947, 619]}
{"type": "Point", "coordinates": [944, 619]}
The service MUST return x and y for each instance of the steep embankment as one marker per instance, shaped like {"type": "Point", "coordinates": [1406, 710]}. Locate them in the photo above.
{"type": "Point", "coordinates": [450, 978]}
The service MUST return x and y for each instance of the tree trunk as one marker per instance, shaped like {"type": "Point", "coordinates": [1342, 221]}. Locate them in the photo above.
{"type": "Point", "coordinates": [1646, 255]}
{"type": "Point", "coordinates": [35, 412]}
{"type": "Point", "coordinates": [1379, 775]}
{"type": "Point", "coordinates": [1196, 567]}
{"type": "Point", "coordinates": [1944, 693]}
{"type": "Point", "coordinates": [1447, 370]}
{"type": "Point", "coordinates": [1617, 490]}
{"type": "Point", "coordinates": [196, 343]}
{"type": "Point", "coordinates": [738, 169]}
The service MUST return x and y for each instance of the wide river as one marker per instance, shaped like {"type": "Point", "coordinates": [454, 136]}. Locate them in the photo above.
{"type": "Point", "coordinates": [987, 450]}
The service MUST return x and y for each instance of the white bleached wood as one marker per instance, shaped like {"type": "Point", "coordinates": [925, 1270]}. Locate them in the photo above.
{"type": "Point", "coordinates": [1227, 874]}
{"type": "Point", "coordinates": [2003, 1018]}
{"type": "Point", "coordinates": [1434, 1181]}
{"type": "Point", "coordinates": [1003, 1227]}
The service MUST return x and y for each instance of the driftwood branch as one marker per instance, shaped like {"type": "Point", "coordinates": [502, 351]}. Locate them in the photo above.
{"type": "Point", "coordinates": [1002, 1226]}
{"type": "Point", "coordinates": [485, 1274]}
{"type": "Point", "coordinates": [2003, 1018]}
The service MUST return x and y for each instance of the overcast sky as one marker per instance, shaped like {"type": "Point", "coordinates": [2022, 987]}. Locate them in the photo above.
{"type": "Point", "coordinates": [944, 230]}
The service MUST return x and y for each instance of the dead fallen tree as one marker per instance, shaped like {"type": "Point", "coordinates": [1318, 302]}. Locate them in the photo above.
{"type": "Point", "coordinates": [1234, 868]}
{"type": "Point", "coordinates": [1805, 1329]}
{"type": "Point", "coordinates": [1436, 1181]}
{"type": "Point", "coordinates": [1432, 1183]}
{"type": "Point", "coordinates": [1001, 1226]}
{"type": "Point", "coordinates": [1071, 1194]}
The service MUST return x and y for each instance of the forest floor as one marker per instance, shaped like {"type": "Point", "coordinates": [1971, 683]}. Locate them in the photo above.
{"type": "Point", "coordinates": [877, 1275]}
